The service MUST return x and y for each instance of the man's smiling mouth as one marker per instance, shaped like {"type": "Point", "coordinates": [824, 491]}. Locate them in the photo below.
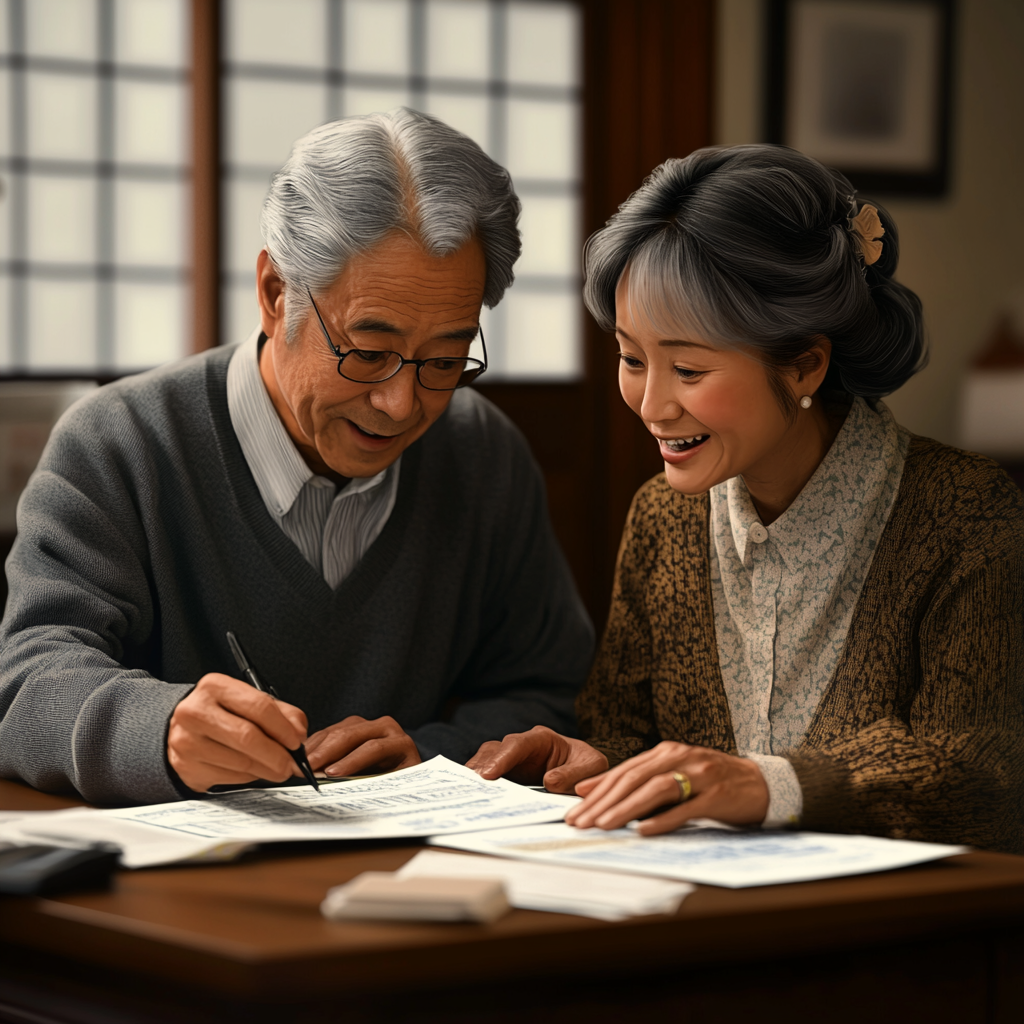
{"type": "Point", "coordinates": [370, 433]}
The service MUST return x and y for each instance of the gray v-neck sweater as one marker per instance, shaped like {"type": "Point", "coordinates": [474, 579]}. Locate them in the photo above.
{"type": "Point", "coordinates": [142, 537]}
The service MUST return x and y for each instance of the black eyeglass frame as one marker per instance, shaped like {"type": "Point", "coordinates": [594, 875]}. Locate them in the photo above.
{"type": "Point", "coordinates": [418, 363]}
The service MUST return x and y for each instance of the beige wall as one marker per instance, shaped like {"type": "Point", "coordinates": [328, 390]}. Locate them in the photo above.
{"type": "Point", "coordinates": [964, 254]}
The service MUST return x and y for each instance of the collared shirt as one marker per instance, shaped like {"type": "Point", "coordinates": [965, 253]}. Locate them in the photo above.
{"type": "Point", "coordinates": [332, 528]}
{"type": "Point", "coordinates": [784, 594]}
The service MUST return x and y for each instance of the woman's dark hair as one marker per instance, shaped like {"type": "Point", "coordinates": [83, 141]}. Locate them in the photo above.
{"type": "Point", "coordinates": [753, 246]}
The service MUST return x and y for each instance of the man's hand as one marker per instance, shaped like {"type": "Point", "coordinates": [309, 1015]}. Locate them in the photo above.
{"type": "Point", "coordinates": [225, 732]}
{"type": "Point", "coordinates": [727, 788]}
{"type": "Point", "coordinates": [357, 745]}
{"type": "Point", "coordinates": [540, 755]}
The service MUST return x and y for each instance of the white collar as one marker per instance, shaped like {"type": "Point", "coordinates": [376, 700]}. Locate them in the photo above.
{"type": "Point", "coordinates": [839, 493]}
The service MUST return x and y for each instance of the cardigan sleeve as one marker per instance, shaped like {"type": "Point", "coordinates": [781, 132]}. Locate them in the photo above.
{"type": "Point", "coordinates": [615, 708]}
{"type": "Point", "coordinates": [949, 766]}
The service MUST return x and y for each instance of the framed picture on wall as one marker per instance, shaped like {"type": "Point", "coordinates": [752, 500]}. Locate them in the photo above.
{"type": "Point", "coordinates": [864, 86]}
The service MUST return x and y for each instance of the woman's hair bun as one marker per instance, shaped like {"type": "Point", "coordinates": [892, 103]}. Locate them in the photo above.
{"type": "Point", "coordinates": [754, 246]}
{"type": "Point", "coordinates": [892, 347]}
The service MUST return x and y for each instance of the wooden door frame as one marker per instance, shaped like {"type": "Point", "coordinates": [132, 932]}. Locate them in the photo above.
{"type": "Point", "coordinates": [648, 77]}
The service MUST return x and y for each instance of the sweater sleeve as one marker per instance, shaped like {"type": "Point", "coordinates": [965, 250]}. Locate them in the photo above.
{"type": "Point", "coordinates": [74, 714]}
{"type": "Point", "coordinates": [535, 641]}
{"type": "Point", "coordinates": [950, 766]}
{"type": "Point", "coordinates": [615, 708]}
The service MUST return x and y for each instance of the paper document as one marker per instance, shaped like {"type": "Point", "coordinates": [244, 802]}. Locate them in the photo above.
{"type": "Point", "coordinates": [10, 834]}
{"type": "Point", "coordinates": [712, 855]}
{"type": "Point", "coordinates": [600, 894]}
{"type": "Point", "coordinates": [434, 798]}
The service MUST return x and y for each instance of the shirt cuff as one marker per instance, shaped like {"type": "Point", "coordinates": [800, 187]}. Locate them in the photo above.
{"type": "Point", "coordinates": [785, 797]}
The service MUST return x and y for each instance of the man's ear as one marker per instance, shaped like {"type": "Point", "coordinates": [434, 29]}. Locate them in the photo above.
{"type": "Point", "coordinates": [270, 295]}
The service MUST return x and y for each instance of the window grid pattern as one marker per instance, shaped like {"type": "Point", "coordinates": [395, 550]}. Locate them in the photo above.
{"type": "Point", "coordinates": [92, 161]}
{"type": "Point", "coordinates": [504, 72]}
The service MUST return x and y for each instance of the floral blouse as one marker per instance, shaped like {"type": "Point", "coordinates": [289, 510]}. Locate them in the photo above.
{"type": "Point", "coordinates": [784, 594]}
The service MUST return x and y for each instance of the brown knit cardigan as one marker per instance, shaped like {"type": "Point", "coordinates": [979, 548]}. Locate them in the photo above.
{"type": "Point", "coordinates": [920, 733]}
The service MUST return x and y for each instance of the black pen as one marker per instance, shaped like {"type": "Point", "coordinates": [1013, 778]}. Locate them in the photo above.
{"type": "Point", "coordinates": [299, 753]}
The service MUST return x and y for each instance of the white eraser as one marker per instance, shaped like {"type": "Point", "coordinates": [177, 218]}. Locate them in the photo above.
{"type": "Point", "coordinates": [382, 895]}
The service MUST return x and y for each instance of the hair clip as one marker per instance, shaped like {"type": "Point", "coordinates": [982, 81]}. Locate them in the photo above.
{"type": "Point", "coordinates": [868, 226]}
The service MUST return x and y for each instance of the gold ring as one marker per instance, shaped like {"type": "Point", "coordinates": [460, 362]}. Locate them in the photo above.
{"type": "Point", "coordinates": [683, 782]}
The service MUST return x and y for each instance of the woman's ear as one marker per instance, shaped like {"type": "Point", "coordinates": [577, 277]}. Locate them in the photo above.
{"type": "Point", "coordinates": [270, 295]}
{"type": "Point", "coordinates": [809, 370]}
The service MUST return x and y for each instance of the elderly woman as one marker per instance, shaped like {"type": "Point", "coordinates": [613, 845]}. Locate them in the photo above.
{"type": "Point", "coordinates": [817, 617]}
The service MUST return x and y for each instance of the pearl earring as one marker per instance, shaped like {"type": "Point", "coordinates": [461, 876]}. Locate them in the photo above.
{"type": "Point", "coordinates": [805, 402]}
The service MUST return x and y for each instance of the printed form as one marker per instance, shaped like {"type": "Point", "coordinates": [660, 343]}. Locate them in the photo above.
{"type": "Point", "coordinates": [709, 852]}
{"type": "Point", "coordinates": [434, 798]}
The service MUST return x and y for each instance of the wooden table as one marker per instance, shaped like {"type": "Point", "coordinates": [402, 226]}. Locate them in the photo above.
{"type": "Point", "coordinates": [245, 942]}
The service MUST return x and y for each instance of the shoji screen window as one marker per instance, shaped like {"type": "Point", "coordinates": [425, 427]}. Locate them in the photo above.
{"type": "Point", "coordinates": [505, 73]}
{"type": "Point", "coordinates": [94, 205]}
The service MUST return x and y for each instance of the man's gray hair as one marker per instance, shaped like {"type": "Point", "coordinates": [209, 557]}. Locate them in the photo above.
{"type": "Point", "coordinates": [350, 183]}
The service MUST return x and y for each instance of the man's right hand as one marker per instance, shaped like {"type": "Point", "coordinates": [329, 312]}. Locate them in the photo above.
{"type": "Point", "coordinates": [226, 732]}
{"type": "Point", "coordinates": [540, 755]}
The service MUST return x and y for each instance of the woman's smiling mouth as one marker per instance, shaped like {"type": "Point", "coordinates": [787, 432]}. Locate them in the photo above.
{"type": "Point", "coordinates": [679, 449]}
{"type": "Point", "coordinates": [682, 444]}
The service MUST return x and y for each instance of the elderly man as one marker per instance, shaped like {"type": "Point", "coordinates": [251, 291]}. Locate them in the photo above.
{"type": "Point", "coordinates": [375, 536]}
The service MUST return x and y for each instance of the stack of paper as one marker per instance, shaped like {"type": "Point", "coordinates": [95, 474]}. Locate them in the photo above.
{"type": "Point", "coordinates": [709, 852]}
{"type": "Point", "coordinates": [600, 894]}
{"type": "Point", "coordinates": [434, 798]}
{"type": "Point", "coordinates": [455, 807]}
{"type": "Point", "coordinates": [12, 823]}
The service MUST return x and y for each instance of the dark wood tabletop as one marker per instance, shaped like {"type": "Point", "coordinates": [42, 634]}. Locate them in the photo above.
{"type": "Point", "coordinates": [252, 930]}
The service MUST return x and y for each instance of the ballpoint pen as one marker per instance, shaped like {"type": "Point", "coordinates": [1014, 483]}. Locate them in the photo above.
{"type": "Point", "coordinates": [299, 753]}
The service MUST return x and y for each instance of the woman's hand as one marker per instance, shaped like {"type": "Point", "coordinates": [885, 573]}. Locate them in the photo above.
{"type": "Point", "coordinates": [727, 788]}
{"type": "Point", "coordinates": [540, 755]}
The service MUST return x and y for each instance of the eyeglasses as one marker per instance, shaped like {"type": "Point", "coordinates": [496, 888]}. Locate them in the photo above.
{"type": "Point", "coordinates": [365, 366]}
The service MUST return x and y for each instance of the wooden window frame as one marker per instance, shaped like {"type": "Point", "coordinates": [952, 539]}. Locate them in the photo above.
{"type": "Point", "coordinates": [647, 80]}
